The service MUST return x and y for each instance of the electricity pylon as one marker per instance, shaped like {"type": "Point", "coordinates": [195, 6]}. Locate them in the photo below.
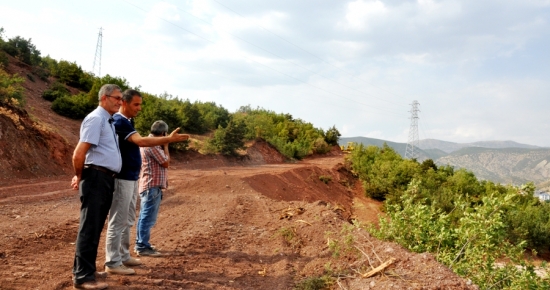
{"type": "Point", "coordinates": [97, 58]}
{"type": "Point", "coordinates": [411, 152]}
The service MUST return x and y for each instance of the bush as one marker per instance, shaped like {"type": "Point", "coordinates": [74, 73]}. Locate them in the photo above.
{"type": "Point", "coordinates": [22, 49]}
{"type": "Point", "coordinates": [72, 74]}
{"type": "Point", "coordinates": [229, 139]}
{"type": "Point", "coordinates": [332, 136]}
{"type": "Point", "coordinates": [42, 73]}
{"type": "Point", "coordinates": [320, 146]}
{"type": "Point", "coordinates": [74, 107]}
{"type": "Point", "coordinates": [56, 90]}
{"type": "Point", "coordinates": [3, 59]}
{"type": "Point", "coordinates": [97, 83]}
{"type": "Point", "coordinates": [10, 89]}
{"type": "Point", "coordinates": [469, 246]}
{"type": "Point", "coordinates": [153, 109]}
{"type": "Point", "coordinates": [294, 138]}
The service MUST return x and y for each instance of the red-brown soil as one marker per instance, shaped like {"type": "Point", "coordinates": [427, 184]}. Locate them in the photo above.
{"type": "Point", "coordinates": [255, 222]}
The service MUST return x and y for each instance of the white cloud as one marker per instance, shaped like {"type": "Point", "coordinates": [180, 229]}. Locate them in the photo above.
{"type": "Point", "coordinates": [354, 64]}
{"type": "Point", "coordinates": [360, 14]}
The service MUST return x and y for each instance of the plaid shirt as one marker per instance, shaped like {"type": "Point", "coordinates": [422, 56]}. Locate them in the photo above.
{"type": "Point", "coordinates": [152, 173]}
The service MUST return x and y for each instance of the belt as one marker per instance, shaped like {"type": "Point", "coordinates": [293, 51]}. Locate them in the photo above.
{"type": "Point", "coordinates": [101, 168]}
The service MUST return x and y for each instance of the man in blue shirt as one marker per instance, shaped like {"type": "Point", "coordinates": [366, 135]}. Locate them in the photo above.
{"type": "Point", "coordinates": [96, 159]}
{"type": "Point", "coordinates": [122, 214]}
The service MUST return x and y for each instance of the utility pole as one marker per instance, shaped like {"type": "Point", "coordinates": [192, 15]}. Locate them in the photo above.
{"type": "Point", "coordinates": [97, 58]}
{"type": "Point", "coordinates": [411, 152]}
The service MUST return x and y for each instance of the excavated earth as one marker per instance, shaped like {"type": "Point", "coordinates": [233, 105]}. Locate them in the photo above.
{"type": "Point", "coordinates": [255, 222]}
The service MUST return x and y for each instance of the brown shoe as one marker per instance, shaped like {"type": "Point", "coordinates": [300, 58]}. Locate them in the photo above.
{"type": "Point", "coordinates": [132, 262]}
{"type": "Point", "coordinates": [101, 275]}
{"type": "Point", "coordinates": [120, 270]}
{"type": "Point", "coordinates": [91, 285]}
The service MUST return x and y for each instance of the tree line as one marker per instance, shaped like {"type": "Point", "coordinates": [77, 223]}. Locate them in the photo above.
{"type": "Point", "coordinates": [293, 137]}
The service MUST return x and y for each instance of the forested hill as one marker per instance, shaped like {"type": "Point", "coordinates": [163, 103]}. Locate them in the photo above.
{"type": "Point", "coordinates": [516, 164]}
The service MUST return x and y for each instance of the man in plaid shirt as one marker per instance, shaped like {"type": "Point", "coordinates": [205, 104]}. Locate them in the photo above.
{"type": "Point", "coordinates": [153, 179]}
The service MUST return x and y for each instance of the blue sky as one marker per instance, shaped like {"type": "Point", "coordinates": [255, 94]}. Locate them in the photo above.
{"type": "Point", "coordinates": [479, 69]}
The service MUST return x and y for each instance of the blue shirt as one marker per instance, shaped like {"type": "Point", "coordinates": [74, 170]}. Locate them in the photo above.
{"type": "Point", "coordinates": [131, 157]}
{"type": "Point", "coordinates": [97, 131]}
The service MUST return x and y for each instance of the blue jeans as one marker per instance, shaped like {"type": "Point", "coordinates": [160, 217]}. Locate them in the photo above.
{"type": "Point", "coordinates": [149, 208]}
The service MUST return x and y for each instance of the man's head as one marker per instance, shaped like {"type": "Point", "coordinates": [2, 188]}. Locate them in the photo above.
{"type": "Point", "coordinates": [110, 98]}
{"type": "Point", "coordinates": [131, 103]}
{"type": "Point", "coordinates": [159, 128]}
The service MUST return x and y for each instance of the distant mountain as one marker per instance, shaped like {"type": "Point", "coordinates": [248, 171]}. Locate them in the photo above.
{"type": "Point", "coordinates": [401, 148]}
{"type": "Point", "coordinates": [451, 146]}
{"type": "Point", "coordinates": [498, 161]}
{"type": "Point", "coordinates": [505, 165]}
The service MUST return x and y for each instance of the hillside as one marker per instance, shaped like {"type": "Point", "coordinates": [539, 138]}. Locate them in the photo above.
{"type": "Point", "coordinates": [509, 165]}
{"type": "Point", "coordinates": [451, 146]}
{"type": "Point", "coordinates": [503, 162]}
{"type": "Point", "coordinates": [254, 222]}
{"type": "Point", "coordinates": [34, 141]}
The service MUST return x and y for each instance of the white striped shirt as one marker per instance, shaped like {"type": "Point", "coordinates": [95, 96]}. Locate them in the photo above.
{"type": "Point", "coordinates": [97, 131]}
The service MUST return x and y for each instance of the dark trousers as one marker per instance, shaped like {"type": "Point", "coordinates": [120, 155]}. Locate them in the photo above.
{"type": "Point", "coordinates": [96, 194]}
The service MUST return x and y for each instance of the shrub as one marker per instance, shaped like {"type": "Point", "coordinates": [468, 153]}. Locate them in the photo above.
{"type": "Point", "coordinates": [72, 74]}
{"type": "Point", "coordinates": [469, 246]}
{"type": "Point", "coordinates": [22, 49]}
{"type": "Point", "coordinates": [332, 136]}
{"type": "Point", "coordinates": [97, 83]}
{"type": "Point", "coordinates": [229, 139]}
{"type": "Point", "coordinates": [10, 89]}
{"type": "Point", "coordinates": [3, 59]}
{"type": "Point", "coordinates": [56, 90]}
{"type": "Point", "coordinates": [74, 107]}
{"type": "Point", "coordinates": [314, 283]}
{"type": "Point", "coordinates": [325, 179]}
{"type": "Point", "coordinates": [320, 146]}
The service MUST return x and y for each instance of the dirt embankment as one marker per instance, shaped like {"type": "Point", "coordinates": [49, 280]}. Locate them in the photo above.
{"type": "Point", "coordinates": [34, 141]}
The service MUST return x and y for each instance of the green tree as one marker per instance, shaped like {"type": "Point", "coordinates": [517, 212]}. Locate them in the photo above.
{"type": "Point", "coordinates": [332, 136]}
{"type": "Point", "coordinates": [99, 82]}
{"type": "Point", "coordinates": [56, 90]}
{"type": "Point", "coordinates": [154, 108]}
{"type": "Point", "coordinates": [212, 115]}
{"type": "Point", "coordinates": [22, 49]}
{"type": "Point", "coordinates": [74, 107]}
{"type": "Point", "coordinates": [229, 139]}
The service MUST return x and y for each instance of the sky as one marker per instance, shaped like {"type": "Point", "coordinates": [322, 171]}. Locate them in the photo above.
{"type": "Point", "coordinates": [480, 70]}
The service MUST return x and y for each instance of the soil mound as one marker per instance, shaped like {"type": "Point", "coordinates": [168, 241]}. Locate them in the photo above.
{"type": "Point", "coordinates": [29, 149]}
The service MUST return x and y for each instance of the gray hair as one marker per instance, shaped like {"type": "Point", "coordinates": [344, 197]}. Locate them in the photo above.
{"type": "Point", "coordinates": [107, 89]}
{"type": "Point", "coordinates": [159, 127]}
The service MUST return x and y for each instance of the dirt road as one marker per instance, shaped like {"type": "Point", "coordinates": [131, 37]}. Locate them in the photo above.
{"type": "Point", "coordinates": [238, 227]}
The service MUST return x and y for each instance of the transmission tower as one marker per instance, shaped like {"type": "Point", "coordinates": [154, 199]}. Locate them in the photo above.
{"type": "Point", "coordinates": [412, 146]}
{"type": "Point", "coordinates": [97, 58]}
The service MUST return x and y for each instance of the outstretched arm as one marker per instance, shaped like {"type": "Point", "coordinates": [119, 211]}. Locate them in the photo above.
{"type": "Point", "coordinates": [156, 141]}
